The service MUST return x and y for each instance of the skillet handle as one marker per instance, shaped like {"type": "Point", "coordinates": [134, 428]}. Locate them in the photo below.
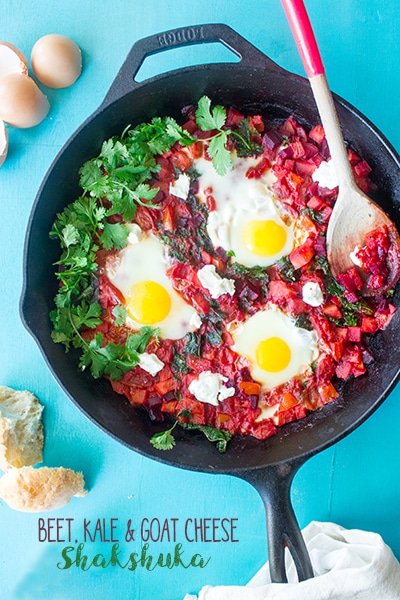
{"type": "Point", "coordinates": [273, 484]}
{"type": "Point", "coordinates": [124, 81]}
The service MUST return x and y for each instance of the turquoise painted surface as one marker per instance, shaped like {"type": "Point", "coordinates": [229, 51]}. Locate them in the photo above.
{"type": "Point", "coordinates": [354, 483]}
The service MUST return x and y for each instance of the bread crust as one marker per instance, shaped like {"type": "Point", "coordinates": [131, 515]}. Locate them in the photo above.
{"type": "Point", "coordinates": [21, 428]}
{"type": "Point", "coordinates": [43, 489]}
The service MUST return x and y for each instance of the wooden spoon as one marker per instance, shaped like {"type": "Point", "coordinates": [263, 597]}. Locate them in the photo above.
{"type": "Point", "coordinates": [354, 214]}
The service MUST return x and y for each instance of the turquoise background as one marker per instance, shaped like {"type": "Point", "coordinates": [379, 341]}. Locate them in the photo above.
{"type": "Point", "coordinates": [355, 483]}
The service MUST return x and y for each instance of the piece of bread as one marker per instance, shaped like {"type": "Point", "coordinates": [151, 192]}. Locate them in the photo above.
{"type": "Point", "coordinates": [21, 429]}
{"type": "Point", "coordinates": [34, 490]}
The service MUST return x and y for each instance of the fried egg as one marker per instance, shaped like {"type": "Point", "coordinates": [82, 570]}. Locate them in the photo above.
{"type": "Point", "coordinates": [139, 273]}
{"type": "Point", "coordinates": [276, 349]}
{"type": "Point", "coordinates": [248, 219]}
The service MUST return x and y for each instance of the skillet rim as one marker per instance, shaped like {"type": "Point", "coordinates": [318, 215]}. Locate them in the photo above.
{"type": "Point", "coordinates": [236, 446]}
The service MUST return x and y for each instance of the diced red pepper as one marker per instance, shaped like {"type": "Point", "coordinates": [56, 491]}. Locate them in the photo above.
{"type": "Point", "coordinates": [163, 387]}
{"type": "Point", "coordinates": [250, 387]}
{"type": "Point", "coordinates": [138, 396]}
{"type": "Point", "coordinates": [331, 310]}
{"type": "Point", "coordinates": [182, 160]}
{"type": "Point", "coordinates": [317, 134]}
{"type": "Point", "coordinates": [299, 257]}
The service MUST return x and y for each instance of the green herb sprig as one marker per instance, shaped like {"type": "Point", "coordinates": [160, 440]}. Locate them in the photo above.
{"type": "Point", "coordinates": [164, 440]}
{"type": "Point", "coordinates": [125, 165]}
{"type": "Point", "coordinates": [214, 119]}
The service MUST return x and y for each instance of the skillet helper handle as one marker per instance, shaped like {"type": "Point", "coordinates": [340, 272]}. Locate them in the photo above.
{"type": "Point", "coordinates": [273, 484]}
{"type": "Point", "coordinates": [124, 81]}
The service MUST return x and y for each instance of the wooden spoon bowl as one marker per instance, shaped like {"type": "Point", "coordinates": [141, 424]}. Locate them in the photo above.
{"type": "Point", "coordinates": [354, 215]}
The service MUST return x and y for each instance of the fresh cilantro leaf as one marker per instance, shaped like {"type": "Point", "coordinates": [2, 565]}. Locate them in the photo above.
{"type": "Point", "coordinates": [120, 314]}
{"type": "Point", "coordinates": [220, 155]}
{"type": "Point", "coordinates": [137, 342]}
{"type": "Point", "coordinates": [70, 235]}
{"type": "Point", "coordinates": [176, 132]}
{"type": "Point", "coordinates": [207, 119]}
{"type": "Point", "coordinates": [114, 359]}
{"type": "Point", "coordinates": [87, 316]}
{"type": "Point", "coordinates": [164, 440]}
{"type": "Point", "coordinates": [114, 235]}
{"type": "Point", "coordinates": [114, 152]}
{"type": "Point", "coordinates": [90, 174]}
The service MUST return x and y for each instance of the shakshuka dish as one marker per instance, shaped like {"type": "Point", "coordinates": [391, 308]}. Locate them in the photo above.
{"type": "Point", "coordinates": [194, 276]}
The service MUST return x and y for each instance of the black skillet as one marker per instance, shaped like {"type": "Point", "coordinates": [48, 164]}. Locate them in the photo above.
{"type": "Point", "coordinates": [255, 84]}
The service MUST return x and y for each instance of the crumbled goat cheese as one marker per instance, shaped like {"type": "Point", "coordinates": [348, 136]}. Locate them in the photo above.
{"type": "Point", "coordinates": [214, 283]}
{"type": "Point", "coordinates": [150, 363]}
{"type": "Point", "coordinates": [209, 388]}
{"type": "Point", "coordinates": [354, 258]}
{"type": "Point", "coordinates": [312, 294]}
{"type": "Point", "coordinates": [180, 187]}
{"type": "Point", "coordinates": [195, 321]}
{"type": "Point", "coordinates": [325, 174]}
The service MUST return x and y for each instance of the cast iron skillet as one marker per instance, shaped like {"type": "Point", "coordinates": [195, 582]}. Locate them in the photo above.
{"type": "Point", "coordinates": [255, 84]}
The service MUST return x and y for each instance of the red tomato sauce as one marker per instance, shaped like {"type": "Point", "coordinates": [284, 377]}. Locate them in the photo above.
{"type": "Point", "coordinates": [343, 321]}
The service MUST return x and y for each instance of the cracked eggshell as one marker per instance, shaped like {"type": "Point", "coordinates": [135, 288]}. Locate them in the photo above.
{"type": "Point", "coordinates": [22, 104]}
{"type": "Point", "coordinates": [56, 61]}
{"type": "Point", "coordinates": [12, 60]}
{"type": "Point", "coordinates": [3, 143]}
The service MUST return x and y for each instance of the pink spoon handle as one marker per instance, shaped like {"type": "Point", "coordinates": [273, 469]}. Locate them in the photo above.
{"type": "Point", "coordinates": [304, 36]}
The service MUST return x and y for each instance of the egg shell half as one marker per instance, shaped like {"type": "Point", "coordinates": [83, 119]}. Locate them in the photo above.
{"type": "Point", "coordinates": [56, 61]}
{"type": "Point", "coordinates": [3, 143]}
{"type": "Point", "coordinates": [22, 104]}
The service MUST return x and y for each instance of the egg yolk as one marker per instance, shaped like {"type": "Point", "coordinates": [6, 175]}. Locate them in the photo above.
{"type": "Point", "coordinates": [273, 354]}
{"type": "Point", "coordinates": [148, 302]}
{"type": "Point", "coordinates": [264, 238]}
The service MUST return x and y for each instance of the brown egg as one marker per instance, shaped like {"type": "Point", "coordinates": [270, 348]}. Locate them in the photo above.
{"type": "Point", "coordinates": [22, 104]}
{"type": "Point", "coordinates": [3, 143]}
{"type": "Point", "coordinates": [56, 61]}
{"type": "Point", "coordinates": [12, 60]}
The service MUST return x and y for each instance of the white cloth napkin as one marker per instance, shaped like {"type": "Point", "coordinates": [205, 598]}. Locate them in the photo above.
{"type": "Point", "coordinates": [348, 564]}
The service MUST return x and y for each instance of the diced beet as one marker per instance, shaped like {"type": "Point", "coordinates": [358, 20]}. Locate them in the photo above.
{"type": "Point", "coordinates": [249, 292]}
{"type": "Point", "coordinates": [233, 117]}
{"type": "Point", "coordinates": [367, 357]}
{"type": "Point", "coordinates": [298, 149]}
{"type": "Point", "coordinates": [362, 169]}
{"type": "Point", "coordinates": [253, 401]}
{"type": "Point", "coordinates": [271, 139]}
{"type": "Point", "coordinates": [351, 280]}
{"type": "Point", "coordinates": [354, 334]}
{"type": "Point", "coordinates": [320, 245]}
{"type": "Point", "coordinates": [286, 152]}
{"type": "Point", "coordinates": [304, 166]}
{"type": "Point", "coordinates": [369, 325]}
{"type": "Point", "coordinates": [310, 149]}
{"type": "Point", "coordinates": [324, 150]}
{"type": "Point", "coordinates": [153, 405]}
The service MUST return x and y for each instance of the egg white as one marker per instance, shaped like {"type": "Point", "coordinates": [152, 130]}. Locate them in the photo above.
{"type": "Point", "coordinates": [240, 200]}
{"type": "Point", "coordinates": [144, 260]}
{"type": "Point", "coordinates": [272, 322]}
